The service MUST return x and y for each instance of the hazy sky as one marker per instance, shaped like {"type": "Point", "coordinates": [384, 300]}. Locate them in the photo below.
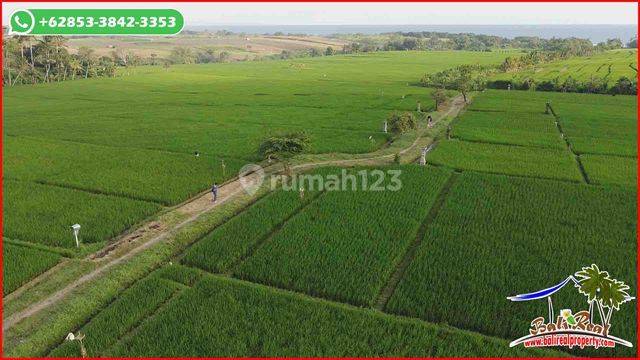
{"type": "Point", "coordinates": [376, 13]}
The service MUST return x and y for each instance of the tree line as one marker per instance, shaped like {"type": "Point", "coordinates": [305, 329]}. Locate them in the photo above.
{"type": "Point", "coordinates": [474, 42]}
{"type": "Point", "coordinates": [476, 77]}
{"type": "Point", "coordinates": [30, 60]}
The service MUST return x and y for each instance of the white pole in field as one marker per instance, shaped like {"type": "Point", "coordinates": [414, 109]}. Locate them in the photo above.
{"type": "Point", "coordinates": [385, 127]}
{"type": "Point", "coordinates": [76, 230]}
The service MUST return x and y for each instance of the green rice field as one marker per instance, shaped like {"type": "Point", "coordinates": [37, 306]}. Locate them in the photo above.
{"type": "Point", "coordinates": [608, 65]}
{"type": "Point", "coordinates": [118, 150]}
{"type": "Point", "coordinates": [513, 201]}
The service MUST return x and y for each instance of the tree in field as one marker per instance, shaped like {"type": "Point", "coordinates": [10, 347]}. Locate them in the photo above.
{"type": "Point", "coordinates": [284, 147]}
{"type": "Point", "coordinates": [624, 86]}
{"type": "Point", "coordinates": [400, 123]}
{"type": "Point", "coordinates": [633, 43]}
{"type": "Point", "coordinates": [224, 56]}
{"type": "Point", "coordinates": [182, 55]}
{"type": "Point", "coordinates": [602, 292]}
{"type": "Point", "coordinates": [329, 51]}
{"type": "Point", "coordinates": [87, 59]}
{"type": "Point", "coordinates": [439, 97]}
{"type": "Point", "coordinates": [570, 85]}
{"type": "Point", "coordinates": [464, 84]}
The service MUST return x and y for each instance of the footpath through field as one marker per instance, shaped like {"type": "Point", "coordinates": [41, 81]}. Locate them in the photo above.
{"type": "Point", "coordinates": [193, 209]}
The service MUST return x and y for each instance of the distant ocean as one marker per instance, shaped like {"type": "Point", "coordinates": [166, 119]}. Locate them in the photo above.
{"type": "Point", "coordinates": [595, 33]}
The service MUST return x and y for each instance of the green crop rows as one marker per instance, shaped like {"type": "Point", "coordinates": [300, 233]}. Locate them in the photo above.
{"type": "Point", "coordinates": [368, 230]}
{"type": "Point", "coordinates": [508, 132]}
{"type": "Point", "coordinates": [504, 159]}
{"type": "Point", "coordinates": [519, 236]}
{"type": "Point", "coordinates": [44, 214]}
{"type": "Point", "coordinates": [128, 311]}
{"type": "Point", "coordinates": [134, 137]}
{"type": "Point", "coordinates": [510, 128]}
{"type": "Point", "coordinates": [21, 264]}
{"type": "Point", "coordinates": [292, 276]}
{"type": "Point", "coordinates": [598, 125]}
{"type": "Point", "coordinates": [611, 169]}
{"type": "Point", "coordinates": [609, 65]}
{"type": "Point", "coordinates": [165, 178]}
{"type": "Point", "coordinates": [223, 247]}
{"type": "Point", "coordinates": [225, 317]}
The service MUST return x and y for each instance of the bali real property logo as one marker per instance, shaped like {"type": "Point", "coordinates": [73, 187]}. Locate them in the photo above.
{"type": "Point", "coordinates": [582, 328]}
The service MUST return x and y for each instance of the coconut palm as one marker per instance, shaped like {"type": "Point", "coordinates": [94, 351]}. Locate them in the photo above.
{"type": "Point", "coordinates": [603, 291]}
{"type": "Point", "coordinates": [75, 66]}
{"type": "Point", "coordinates": [612, 295]}
{"type": "Point", "coordinates": [591, 281]}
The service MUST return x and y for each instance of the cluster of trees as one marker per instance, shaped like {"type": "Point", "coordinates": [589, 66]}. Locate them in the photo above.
{"type": "Point", "coordinates": [475, 77]}
{"type": "Point", "coordinates": [596, 85]}
{"type": "Point", "coordinates": [515, 63]}
{"type": "Point", "coordinates": [27, 60]}
{"type": "Point", "coordinates": [474, 42]}
{"type": "Point", "coordinates": [464, 78]}
{"type": "Point", "coordinates": [187, 55]}
{"type": "Point", "coordinates": [467, 78]}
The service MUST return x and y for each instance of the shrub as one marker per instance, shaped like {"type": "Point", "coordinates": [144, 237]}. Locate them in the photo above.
{"type": "Point", "coordinates": [400, 123]}
{"type": "Point", "coordinates": [284, 146]}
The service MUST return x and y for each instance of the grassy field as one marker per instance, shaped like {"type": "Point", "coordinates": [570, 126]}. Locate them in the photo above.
{"type": "Point", "coordinates": [532, 224]}
{"type": "Point", "coordinates": [609, 66]}
{"type": "Point", "coordinates": [505, 159]}
{"type": "Point", "coordinates": [22, 263]}
{"type": "Point", "coordinates": [220, 316]}
{"type": "Point", "coordinates": [519, 236]}
{"type": "Point", "coordinates": [611, 169]}
{"type": "Point", "coordinates": [43, 214]}
{"type": "Point", "coordinates": [222, 248]}
{"type": "Point", "coordinates": [509, 128]}
{"type": "Point", "coordinates": [514, 202]}
{"type": "Point", "coordinates": [131, 139]}
{"type": "Point", "coordinates": [368, 230]}
{"type": "Point", "coordinates": [508, 132]}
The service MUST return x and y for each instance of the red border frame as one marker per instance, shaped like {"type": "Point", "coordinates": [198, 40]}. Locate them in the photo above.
{"type": "Point", "coordinates": [333, 1]}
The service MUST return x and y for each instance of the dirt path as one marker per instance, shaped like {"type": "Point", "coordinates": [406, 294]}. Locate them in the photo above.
{"type": "Point", "coordinates": [193, 209]}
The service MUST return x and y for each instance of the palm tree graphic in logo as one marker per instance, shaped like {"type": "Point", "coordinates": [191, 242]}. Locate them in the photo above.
{"type": "Point", "coordinates": [602, 292]}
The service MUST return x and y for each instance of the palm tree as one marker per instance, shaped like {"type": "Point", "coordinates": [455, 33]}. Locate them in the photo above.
{"type": "Point", "coordinates": [75, 66]}
{"type": "Point", "coordinates": [603, 291]}
{"type": "Point", "coordinates": [612, 295]}
{"type": "Point", "coordinates": [590, 283]}
{"type": "Point", "coordinates": [86, 57]}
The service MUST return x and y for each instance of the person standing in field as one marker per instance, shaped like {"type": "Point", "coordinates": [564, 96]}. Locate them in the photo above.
{"type": "Point", "coordinates": [214, 192]}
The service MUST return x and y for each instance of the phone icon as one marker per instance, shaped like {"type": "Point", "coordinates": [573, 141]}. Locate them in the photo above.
{"type": "Point", "coordinates": [22, 22]}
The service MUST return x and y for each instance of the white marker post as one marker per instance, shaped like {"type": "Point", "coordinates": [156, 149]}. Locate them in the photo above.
{"type": "Point", "coordinates": [385, 127]}
{"type": "Point", "coordinates": [76, 230]}
{"type": "Point", "coordinates": [423, 158]}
